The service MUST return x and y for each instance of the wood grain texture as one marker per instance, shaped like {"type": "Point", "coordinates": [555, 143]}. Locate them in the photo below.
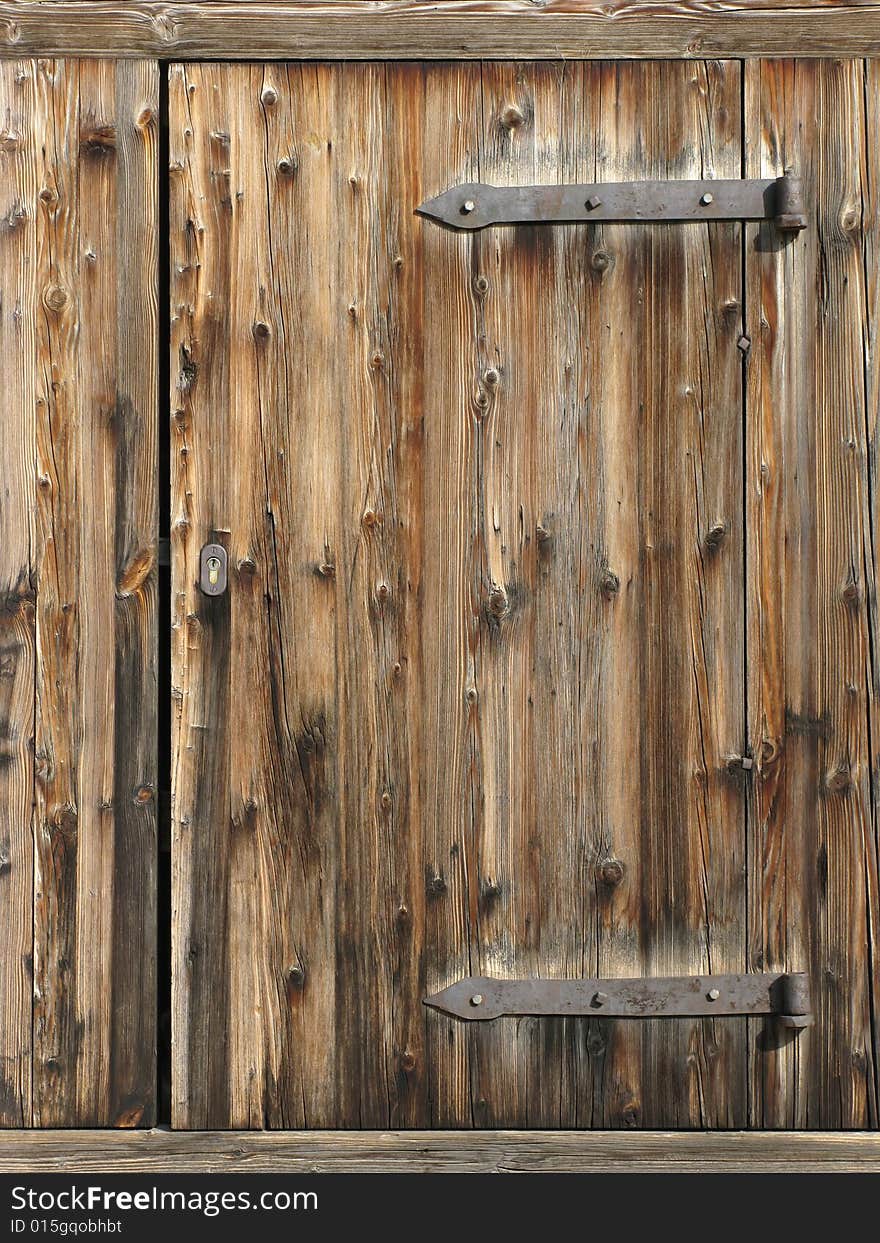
{"type": "Point", "coordinates": [812, 609]}
{"type": "Point", "coordinates": [439, 29]}
{"type": "Point", "coordinates": [437, 1152]}
{"type": "Point", "coordinates": [79, 295]}
{"type": "Point", "coordinates": [463, 505]}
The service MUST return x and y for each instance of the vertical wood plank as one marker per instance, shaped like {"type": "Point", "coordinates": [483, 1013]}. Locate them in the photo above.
{"type": "Point", "coordinates": [451, 598]}
{"type": "Point", "coordinates": [811, 306]}
{"type": "Point", "coordinates": [18, 300]}
{"type": "Point", "coordinates": [94, 1012]}
{"type": "Point", "coordinates": [80, 287]}
{"type": "Point", "coordinates": [668, 825]}
{"type": "Point", "coordinates": [534, 654]}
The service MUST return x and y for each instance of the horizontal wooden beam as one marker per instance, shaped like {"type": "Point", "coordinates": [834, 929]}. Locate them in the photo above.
{"type": "Point", "coordinates": [426, 1152]}
{"type": "Point", "coordinates": [438, 29]}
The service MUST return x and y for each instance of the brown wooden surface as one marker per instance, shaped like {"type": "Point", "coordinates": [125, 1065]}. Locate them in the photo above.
{"type": "Point", "coordinates": [437, 1152]}
{"type": "Point", "coordinates": [812, 607]}
{"type": "Point", "coordinates": [438, 29]}
{"type": "Point", "coordinates": [78, 250]}
{"type": "Point", "coordinates": [470, 701]}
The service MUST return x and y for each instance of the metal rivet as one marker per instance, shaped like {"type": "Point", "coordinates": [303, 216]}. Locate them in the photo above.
{"type": "Point", "coordinates": [706, 199]}
{"type": "Point", "coordinates": [477, 999]}
{"type": "Point", "coordinates": [599, 999]}
{"type": "Point", "coordinates": [713, 994]}
{"type": "Point", "coordinates": [467, 207]}
{"type": "Point", "coordinates": [593, 202]}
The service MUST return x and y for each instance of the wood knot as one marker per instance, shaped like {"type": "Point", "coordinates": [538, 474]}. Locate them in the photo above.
{"type": "Point", "coordinates": [143, 795]}
{"type": "Point", "coordinates": [499, 605]}
{"type": "Point", "coordinates": [490, 892]}
{"type": "Point", "coordinates": [611, 873]}
{"type": "Point", "coordinates": [296, 979]}
{"type": "Point", "coordinates": [377, 361]}
{"type": "Point", "coordinates": [10, 140]}
{"type": "Point", "coordinates": [135, 573]}
{"type": "Point", "coordinates": [383, 594]}
{"type": "Point", "coordinates": [435, 886]}
{"type": "Point", "coordinates": [268, 96]}
{"type": "Point", "coordinates": [48, 195]}
{"type": "Point", "coordinates": [402, 918]}
{"type": "Point", "coordinates": [770, 752]}
{"type": "Point", "coordinates": [839, 780]}
{"type": "Point", "coordinates": [715, 535]}
{"type": "Point", "coordinates": [286, 166]}
{"type": "Point", "coordinates": [386, 800]}
{"type": "Point", "coordinates": [600, 261]}
{"type": "Point", "coordinates": [481, 284]}
{"type": "Point", "coordinates": [371, 519]}
{"type": "Point", "coordinates": [491, 377]}
{"type": "Point", "coordinates": [55, 298]}
{"type": "Point", "coordinates": [146, 118]}
{"type": "Point", "coordinates": [261, 330]}
{"type": "Point", "coordinates": [471, 695]}
{"type": "Point", "coordinates": [325, 569]}
{"type": "Point", "coordinates": [98, 141]}
{"type": "Point", "coordinates": [407, 1061]}
{"type": "Point", "coordinates": [512, 117]}
{"type": "Point", "coordinates": [65, 819]}
{"type": "Point", "coordinates": [609, 583]}
{"type": "Point", "coordinates": [851, 593]}
{"type": "Point", "coordinates": [16, 216]}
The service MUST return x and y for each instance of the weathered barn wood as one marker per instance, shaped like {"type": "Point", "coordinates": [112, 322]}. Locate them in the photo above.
{"type": "Point", "coordinates": [811, 306]}
{"type": "Point", "coordinates": [438, 1152]}
{"type": "Point", "coordinates": [440, 29]}
{"type": "Point", "coordinates": [471, 700]}
{"type": "Point", "coordinates": [78, 249]}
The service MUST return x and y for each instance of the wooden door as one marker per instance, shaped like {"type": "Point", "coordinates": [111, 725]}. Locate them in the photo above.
{"type": "Point", "coordinates": [78, 527]}
{"type": "Point", "coordinates": [524, 544]}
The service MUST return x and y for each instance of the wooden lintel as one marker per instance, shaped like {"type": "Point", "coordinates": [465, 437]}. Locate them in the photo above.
{"type": "Point", "coordinates": [437, 29]}
{"type": "Point", "coordinates": [425, 1152]}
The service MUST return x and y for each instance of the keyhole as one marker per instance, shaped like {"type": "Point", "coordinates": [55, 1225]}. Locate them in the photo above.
{"type": "Point", "coordinates": [213, 570]}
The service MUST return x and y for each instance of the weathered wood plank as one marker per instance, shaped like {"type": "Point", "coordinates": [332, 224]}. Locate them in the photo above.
{"type": "Point", "coordinates": [535, 662]}
{"type": "Point", "coordinates": [80, 288]}
{"type": "Point", "coordinates": [665, 558]}
{"type": "Point", "coordinates": [438, 29]}
{"type": "Point", "coordinates": [811, 310]}
{"type": "Point", "coordinates": [18, 301]}
{"type": "Point", "coordinates": [427, 1152]}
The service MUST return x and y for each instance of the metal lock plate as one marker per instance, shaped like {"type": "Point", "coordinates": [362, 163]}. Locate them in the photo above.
{"type": "Point", "coordinates": [213, 565]}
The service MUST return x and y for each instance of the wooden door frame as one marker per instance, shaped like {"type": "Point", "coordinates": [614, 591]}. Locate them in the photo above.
{"type": "Point", "coordinates": [439, 30]}
{"type": "Point", "coordinates": [436, 29]}
{"type": "Point", "coordinates": [439, 1152]}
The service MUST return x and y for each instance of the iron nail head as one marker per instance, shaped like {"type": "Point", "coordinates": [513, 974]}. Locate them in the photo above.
{"type": "Point", "coordinates": [467, 207]}
{"type": "Point", "coordinates": [713, 994]}
{"type": "Point", "coordinates": [593, 202]}
{"type": "Point", "coordinates": [599, 999]}
{"type": "Point", "coordinates": [477, 999]}
{"type": "Point", "coordinates": [707, 198]}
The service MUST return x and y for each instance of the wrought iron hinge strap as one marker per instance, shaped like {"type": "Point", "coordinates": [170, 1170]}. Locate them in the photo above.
{"type": "Point", "coordinates": [476, 206]}
{"type": "Point", "coordinates": [784, 995]}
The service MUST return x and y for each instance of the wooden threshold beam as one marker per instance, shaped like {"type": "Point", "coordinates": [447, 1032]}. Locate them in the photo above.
{"type": "Point", "coordinates": [437, 29]}
{"type": "Point", "coordinates": [427, 1152]}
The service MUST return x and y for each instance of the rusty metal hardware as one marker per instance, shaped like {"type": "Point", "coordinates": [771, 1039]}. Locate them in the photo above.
{"type": "Point", "coordinates": [476, 206]}
{"type": "Point", "coordinates": [785, 996]}
{"type": "Point", "coordinates": [213, 565]}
